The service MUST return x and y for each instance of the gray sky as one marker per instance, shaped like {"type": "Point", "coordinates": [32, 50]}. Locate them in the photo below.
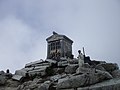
{"type": "Point", "coordinates": [25, 25]}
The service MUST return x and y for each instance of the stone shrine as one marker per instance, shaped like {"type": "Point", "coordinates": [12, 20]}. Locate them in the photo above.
{"type": "Point", "coordinates": [59, 46]}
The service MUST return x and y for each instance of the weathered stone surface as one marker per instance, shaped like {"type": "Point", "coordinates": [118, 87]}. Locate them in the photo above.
{"type": "Point", "coordinates": [63, 79]}
{"type": "Point", "coordinates": [72, 82]}
{"type": "Point", "coordinates": [38, 70]}
{"type": "Point", "coordinates": [30, 85]}
{"type": "Point", "coordinates": [38, 80]}
{"type": "Point", "coordinates": [62, 63]}
{"type": "Point", "coordinates": [41, 64]}
{"type": "Point", "coordinates": [100, 67]}
{"type": "Point", "coordinates": [27, 69]}
{"type": "Point", "coordinates": [96, 62]}
{"type": "Point", "coordinates": [33, 63]}
{"type": "Point", "coordinates": [8, 88]}
{"type": "Point", "coordinates": [86, 65]}
{"type": "Point", "coordinates": [59, 70]}
{"type": "Point", "coordinates": [2, 72]}
{"type": "Point", "coordinates": [17, 77]}
{"type": "Point", "coordinates": [113, 84]}
{"type": "Point", "coordinates": [106, 75]}
{"type": "Point", "coordinates": [110, 66]}
{"type": "Point", "coordinates": [49, 71]}
{"type": "Point", "coordinates": [63, 59]}
{"type": "Point", "coordinates": [41, 67]}
{"type": "Point", "coordinates": [55, 77]}
{"type": "Point", "coordinates": [71, 68]}
{"type": "Point", "coordinates": [12, 83]}
{"type": "Point", "coordinates": [72, 61]}
{"type": "Point", "coordinates": [116, 73]}
{"type": "Point", "coordinates": [21, 73]}
{"type": "Point", "coordinates": [85, 70]}
{"type": "Point", "coordinates": [2, 80]}
{"type": "Point", "coordinates": [87, 79]}
{"type": "Point", "coordinates": [34, 68]}
{"type": "Point", "coordinates": [45, 85]}
{"type": "Point", "coordinates": [8, 75]}
{"type": "Point", "coordinates": [65, 76]}
{"type": "Point", "coordinates": [51, 61]}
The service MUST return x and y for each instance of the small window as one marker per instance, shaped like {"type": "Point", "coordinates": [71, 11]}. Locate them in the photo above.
{"type": "Point", "coordinates": [52, 46]}
{"type": "Point", "coordinates": [58, 44]}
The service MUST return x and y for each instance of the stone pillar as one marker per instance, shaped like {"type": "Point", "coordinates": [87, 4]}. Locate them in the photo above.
{"type": "Point", "coordinates": [48, 50]}
{"type": "Point", "coordinates": [62, 48]}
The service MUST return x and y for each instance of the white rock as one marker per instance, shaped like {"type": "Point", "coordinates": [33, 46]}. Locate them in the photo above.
{"type": "Point", "coordinates": [21, 73]}
{"type": "Point", "coordinates": [17, 77]}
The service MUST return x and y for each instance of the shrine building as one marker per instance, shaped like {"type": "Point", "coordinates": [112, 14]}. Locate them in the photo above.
{"type": "Point", "coordinates": [59, 46]}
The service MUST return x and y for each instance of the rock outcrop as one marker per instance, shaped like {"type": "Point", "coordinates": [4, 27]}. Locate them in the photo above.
{"type": "Point", "coordinates": [84, 79]}
{"type": "Point", "coordinates": [62, 75]}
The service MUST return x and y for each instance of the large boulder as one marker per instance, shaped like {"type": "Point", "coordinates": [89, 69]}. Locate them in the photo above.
{"type": "Point", "coordinates": [100, 67]}
{"type": "Point", "coordinates": [70, 69]}
{"type": "Point", "coordinates": [8, 75]}
{"type": "Point", "coordinates": [109, 66]}
{"type": "Point", "coordinates": [21, 73]}
{"type": "Point", "coordinates": [2, 80]}
{"type": "Point", "coordinates": [29, 85]}
{"type": "Point", "coordinates": [72, 82]}
{"type": "Point", "coordinates": [18, 78]}
{"type": "Point", "coordinates": [36, 63]}
{"type": "Point", "coordinates": [82, 70]}
{"type": "Point", "coordinates": [116, 73]}
{"type": "Point", "coordinates": [45, 85]}
{"type": "Point", "coordinates": [12, 83]}
{"type": "Point", "coordinates": [86, 78]}
{"type": "Point", "coordinates": [40, 70]}
{"type": "Point", "coordinates": [113, 84]}
{"type": "Point", "coordinates": [2, 73]}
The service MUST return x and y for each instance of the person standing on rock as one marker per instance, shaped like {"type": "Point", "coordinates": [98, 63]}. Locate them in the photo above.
{"type": "Point", "coordinates": [80, 58]}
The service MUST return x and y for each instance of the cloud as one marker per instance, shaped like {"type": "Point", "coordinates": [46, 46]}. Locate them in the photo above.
{"type": "Point", "coordinates": [17, 44]}
{"type": "Point", "coordinates": [25, 24]}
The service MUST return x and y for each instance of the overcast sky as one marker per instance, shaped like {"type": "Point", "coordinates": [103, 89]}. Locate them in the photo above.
{"type": "Point", "coordinates": [25, 25]}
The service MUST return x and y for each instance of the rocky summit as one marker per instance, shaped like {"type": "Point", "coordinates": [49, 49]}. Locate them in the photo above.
{"type": "Point", "coordinates": [64, 74]}
{"type": "Point", "coordinates": [61, 71]}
